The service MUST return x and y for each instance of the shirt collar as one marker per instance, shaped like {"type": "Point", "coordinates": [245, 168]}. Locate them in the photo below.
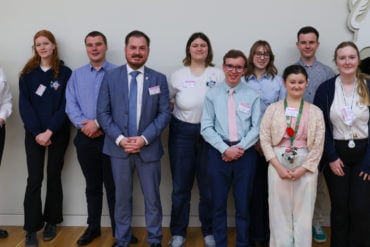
{"type": "Point", "coordinates": [104, 67]}
{"type": "Point", "coordinates": [300, 62]}
{"type": "Point", "coordinates": [236, 88]}
{"type": "Point", "coordinates": [129, 69]}
{"type": "Point", "coordinates": [253, 77]}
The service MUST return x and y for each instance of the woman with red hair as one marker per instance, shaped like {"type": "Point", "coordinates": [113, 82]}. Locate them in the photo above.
{"type": "Point", "coordinates": [42, 103]}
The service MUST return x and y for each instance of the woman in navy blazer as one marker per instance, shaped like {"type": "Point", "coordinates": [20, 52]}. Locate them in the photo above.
{"type": "Point", "coordinates": [345, 102]}
{"type": "Point", "coordinates": [42, 102]}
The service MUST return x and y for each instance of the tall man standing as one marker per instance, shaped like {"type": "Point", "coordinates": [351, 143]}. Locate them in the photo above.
{"type": "Point", "coordinates": [133, 110]}
{"type": "Point", "coordinates": [81, 95]}
{"type": "Point", "coordinates": [307, 44]}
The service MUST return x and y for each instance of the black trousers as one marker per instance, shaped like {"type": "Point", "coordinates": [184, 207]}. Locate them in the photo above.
{"type": "Point", "coordinates": [350, 199]}
{"type": "Point", "coordinates": [34, 219]}
{"type": "Point", "coordinates": [259, 229]}
{"type": "Point", "coordinates": [96, 168]}
{"type": "Point", "coordinates": [2, 141]}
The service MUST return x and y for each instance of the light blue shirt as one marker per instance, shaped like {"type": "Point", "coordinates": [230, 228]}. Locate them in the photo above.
{"type": "Point", "coordinates": [214, 124]}
{"type": "Point", "coordinates": [82, 92]}
{"type": "Point", "coordinates": [317, 74]}
{"type": "Point", "coordinates": [269, 89]}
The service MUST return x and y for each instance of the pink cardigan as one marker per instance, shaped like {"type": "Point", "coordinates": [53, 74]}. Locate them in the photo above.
{"type": "Point", "coordinates": [273, 127]}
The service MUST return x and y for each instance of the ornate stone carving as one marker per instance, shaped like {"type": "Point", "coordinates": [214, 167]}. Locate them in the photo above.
{"type": "Point", "coordinates": [359, 22]}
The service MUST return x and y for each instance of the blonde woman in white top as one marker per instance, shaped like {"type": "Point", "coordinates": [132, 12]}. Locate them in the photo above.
{"type": "Point", "coordinates": [187, 149]}
{"type": "Point", "coordinates": [5, 111]}
{"type": "Point", "coordinates": [345, 102]}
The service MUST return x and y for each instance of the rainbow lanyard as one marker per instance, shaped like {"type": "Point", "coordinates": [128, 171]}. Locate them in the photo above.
{"type": "Point", "coordinates": [288, 122]}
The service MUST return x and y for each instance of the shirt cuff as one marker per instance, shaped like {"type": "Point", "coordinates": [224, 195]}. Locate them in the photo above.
{"type": "Point", "coordinates": [97, 124]}
{"type": "Point", "coordinates": [119, 139]}
{"type": "Point", "coordinates": [146, 141]}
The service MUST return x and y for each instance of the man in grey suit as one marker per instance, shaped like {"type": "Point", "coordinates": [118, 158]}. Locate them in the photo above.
{"type": "Point", "coordinates": [133, 110]}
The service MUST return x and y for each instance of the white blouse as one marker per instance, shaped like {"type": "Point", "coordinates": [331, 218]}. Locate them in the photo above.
{"type": "Point", "coordinates": [358, 129]}
{"type": "Point", "coordinates": [5, 97]}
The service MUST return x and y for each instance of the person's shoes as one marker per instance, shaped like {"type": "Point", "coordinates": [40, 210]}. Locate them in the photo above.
{"type": "Point", "coordinates": [88, 236]}
{"type": "Point", "coordinates": [3, 233]}
{"type": "Point", "coordinates": [156, 245]}
{"type": "Point", "coordinates": [209, 240]}
{"type": "Point", "coordinates": [50, 231]}
{"type": "Point", "coordinates": [318, 234]}
{"type": "Point", "coordinates": [31, 239]}
{"type": "Point", "coordinates": [134, 239]}
{"type": "Point", "coordinates": [177, 241]}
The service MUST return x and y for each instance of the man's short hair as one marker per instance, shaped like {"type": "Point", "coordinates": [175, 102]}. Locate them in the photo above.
{"type": "Point", "coordinates": [235, 54]}
{"type": "Point", "coordinates": [96, 34]}
{"type": "Point", "coordinates": [306, 30]}
{"type": "Point", "coordinates": [137, 34]}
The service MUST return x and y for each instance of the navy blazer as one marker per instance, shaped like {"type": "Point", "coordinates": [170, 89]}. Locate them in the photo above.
{"type": "Point", "coordinates": [112, 112]}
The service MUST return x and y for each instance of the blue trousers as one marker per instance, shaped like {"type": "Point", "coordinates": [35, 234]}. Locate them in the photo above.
{"type": "Point", "coordinates": [188, 159]}
{"type": "Point", "coordinates": [150, 177]}
{"type": "Point", "coordinates": [240, 175]}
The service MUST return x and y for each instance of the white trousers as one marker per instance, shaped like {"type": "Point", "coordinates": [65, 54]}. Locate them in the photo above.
{"type": "Point", "coordinates": [291, 204]}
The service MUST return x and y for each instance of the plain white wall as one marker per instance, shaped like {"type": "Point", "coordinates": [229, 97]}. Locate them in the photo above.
{"type": "Point", "coordinates": [169, 23]}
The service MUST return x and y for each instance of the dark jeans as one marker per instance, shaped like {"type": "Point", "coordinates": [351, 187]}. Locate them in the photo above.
{"type": "Point", "coordinates": [97, 170]}
{"type": "Point", "coordinates": [188, 159]}
{"type": "Point", "coordinates": [259, 226]}
{"type": "Point", "coordinates": [240, 175]}
{"type": "Point", "coordinates": [34, 219]}
{"type": "Point", "coordinates": [350, 199]}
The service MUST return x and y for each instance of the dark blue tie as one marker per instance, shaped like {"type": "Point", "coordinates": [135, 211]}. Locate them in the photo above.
{"type": "Point", "coordinates": [132, 105]}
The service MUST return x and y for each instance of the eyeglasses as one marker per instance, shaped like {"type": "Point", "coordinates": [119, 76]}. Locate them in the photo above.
{"type": "Point", "coordinates": [230, 67]}
{"type": "Point", "coordinates": [261, 54]}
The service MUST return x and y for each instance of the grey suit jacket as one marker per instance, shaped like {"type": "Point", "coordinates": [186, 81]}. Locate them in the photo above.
{"type": "Point", "coordinates": [112, 112]}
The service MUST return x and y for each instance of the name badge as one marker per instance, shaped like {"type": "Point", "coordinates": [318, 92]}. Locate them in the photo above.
{"type": "Point", "coordinates": [154, 90]}
{"type": "Point", "coordinates": [189, 84]}
{"type": "Point", "coordinates": [347, 115]}
{"type": "Point", "coordinates": [244, 107]}
{"type": "Point", "coordinates": [40, 90]}
{"type": "Point", "coordinates": [291, 112]}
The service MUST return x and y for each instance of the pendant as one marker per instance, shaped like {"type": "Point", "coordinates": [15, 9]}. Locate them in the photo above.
{"type": "Point", "coordinates": [351, 144]}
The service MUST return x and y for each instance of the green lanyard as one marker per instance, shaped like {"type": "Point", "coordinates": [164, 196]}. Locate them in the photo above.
{"type": "Point", "coordinates": [292, 133]}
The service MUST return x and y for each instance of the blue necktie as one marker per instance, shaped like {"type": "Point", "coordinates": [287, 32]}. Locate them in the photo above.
{"type": "Point", "coordinates": [132, 105]}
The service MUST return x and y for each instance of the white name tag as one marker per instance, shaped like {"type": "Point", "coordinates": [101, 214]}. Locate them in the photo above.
{"type": "Point", "coordinates": [189, 84]}
{"type": "Point", "coordinates": [40, 90]}
{"type": "Point", "coordinates": [244, 107]}
{"type": "Point", "coordinates": [154, 90]}
{"type": "Point", "coordinates": [291, 112]}
{"type": "Point", "coordinates": [347, 115]}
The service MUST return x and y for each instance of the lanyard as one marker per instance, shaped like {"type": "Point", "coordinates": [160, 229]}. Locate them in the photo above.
{"type": "Point", "coordinates": [292, 133]}
{"type": "Point", "coordinates": [353, 94]}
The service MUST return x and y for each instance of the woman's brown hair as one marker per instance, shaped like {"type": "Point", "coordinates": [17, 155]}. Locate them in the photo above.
{"type": "Point", "coordinates": [187, 60]}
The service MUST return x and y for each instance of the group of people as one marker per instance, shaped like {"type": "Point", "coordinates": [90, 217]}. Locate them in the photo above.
{"type": "Point", "coordinates": [242, 126]}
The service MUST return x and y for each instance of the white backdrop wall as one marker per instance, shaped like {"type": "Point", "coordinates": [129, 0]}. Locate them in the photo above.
{"type": "Point", "coordinates": [169, 23]}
